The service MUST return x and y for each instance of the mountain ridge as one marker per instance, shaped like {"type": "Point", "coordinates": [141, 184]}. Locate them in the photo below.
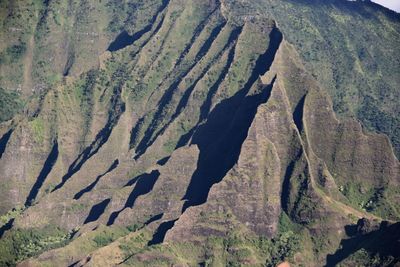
{"type": "Point", "coordinates": [209, 132]}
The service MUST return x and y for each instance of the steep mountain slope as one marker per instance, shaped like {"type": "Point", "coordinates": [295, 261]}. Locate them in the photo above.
{"type": "Point", "coordinates": [199, 133]}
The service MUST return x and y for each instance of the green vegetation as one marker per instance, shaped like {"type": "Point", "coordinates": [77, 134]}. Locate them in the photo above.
{"type": "Point", "coordinates": [13, 54]}
{"type": "Point", "coordinates": [364, 258]}
{"type": "Point", "coordinates": [38, 129]}
{"type": "Point", "coordinates": [12, 214]}
{"type": "Point", "coordinates": [361, 70]}
{"type": "Point", "coordinates": [10, 104]}
{"type": "Point", "coordinates": [55, 52]}
{"type": "Point", "coordinates": [20, 244]}
{"type": "Point", "coordinates": [285, 224]}
{"type": "Point", "coordinates": [234, 250]}
{"type": "Point", "coordinates": [376, 201]}
{"type": "Point", "coordinates": [106, 236]}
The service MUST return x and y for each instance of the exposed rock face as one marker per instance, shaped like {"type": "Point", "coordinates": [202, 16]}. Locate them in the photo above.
{"type": "Point", "coordinates": [200, 123]}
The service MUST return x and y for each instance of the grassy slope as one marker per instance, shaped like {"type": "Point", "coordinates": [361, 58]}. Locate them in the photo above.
{"type": "Point", "coordinates": [351, 48]}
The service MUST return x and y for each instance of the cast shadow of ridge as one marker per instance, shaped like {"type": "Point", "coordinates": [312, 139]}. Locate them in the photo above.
{"type": "Point", "coordinates": [92, 185]}
{"type": "Point", "coordinates": [124, 39]}
{"type": "Point", "coordinates": [221, 137]}
{"type": "Point", "coordinates": [115, 113]}
{"type": "Point", "coordinates": [96, 211]}
{"type": "Point", "coordinates": [7, 226]}
{"type": "Point", "coordinates": [143, 185]}
{"type": "Point", "coordinates": [384, 241]}
{"type": "Point", "coordinates": [3, 142]}
{"type": "Point", "coordinates": [47, 167]}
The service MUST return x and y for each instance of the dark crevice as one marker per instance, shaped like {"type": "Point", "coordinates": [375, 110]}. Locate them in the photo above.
{"type": "Point", "coordinates": [69, 63]}
{"type": "Point", "coordinates": [92, 185]}
{"type": "Point", "coordinates": [143, 185]}
{"type": "Point", "coordinates": [220, 138]}
{"type": "Point", "coordinates": [116, 110]}
{"type": "Point", "coordinates": [3, 142]}
{"type": "Point", "coordinates": [47, 167]}
{"type": "Point", "coordinates": [96, 211]}
{"type": "Point", "coordinates": [124, 39]}
{"type": "Point", "coordinates": [149, 136]}
{"type": "Point", "coordinates": [135, 133]}
{"type": "Point", "coordinates": [160, 233]}
{"type": "Point", "coordinates": [6, 227]}
{"type": "Point", "coordinates": [298, 114]}
{"type": "Point", "coordinates": [43, 14]}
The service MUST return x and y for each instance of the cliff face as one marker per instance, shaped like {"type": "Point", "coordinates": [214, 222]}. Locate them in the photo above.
{"type": "Point", "coordinates": [195, 132]}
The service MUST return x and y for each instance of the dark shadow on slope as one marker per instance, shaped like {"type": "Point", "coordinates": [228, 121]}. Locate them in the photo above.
{"type": "Point", "coordinates": [133, 54]}
{"type": "Point", "coordinates": [196, 34]}
{"type": "Point", "coordinates": [92, 185]}
{"type": "Point", "coordinates": [144, 185]}
{"type": "Point", "coordinates": [3, 141]}
{"type": "Point", "coordinates": [210, 40]}
{"type": "Point", "coordinates": [97, 210]}
{"type": "Point", "coordinates": [220, 140]}
{"type": "Point", "coordinates": [160, 233]}
{"type": "Point", "coordinates": [163, 161]}
{"type": "Point", "coordinates": [285, 194]}
{"type": "Point", "coordinates": [185, 98]}
{"type": "Point", "coordinates": [154, 218]}
{"type": "Point", "coordinates": [114, 114]}
{"type": "Point", "coordinates": [150, 136]}
{"type": "Point", "coordinates": [75, 264]}
{"type": "Point", "coordinates": [124, 39]}
{"type": "Point", "coordinates": [384, 241]}
{"type": "Point", "coordinates": [184, 139]}
{"type": "Point", "coordinates": [221, 137]}
{"type": "Point", "coordinates": [135, 133]}
{"type": "Point", "coordinates": [69, 63]}
{"type": "Point", "coordinates": [6, 227]}
{"type": "Point", "coordinates": [47, 167]}
{"type": "Point", "coordinates": [298, 114]}
{"type": "Point", "coordinates": [133, 181]}
{"type": "Point", "coordinates": [206, 106]}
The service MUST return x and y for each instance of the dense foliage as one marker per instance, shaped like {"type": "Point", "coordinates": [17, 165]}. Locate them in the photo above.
{"type": "Point", "coordinates": [20, 244]}
{"type": "Point", "coordinates": [10, 104]}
